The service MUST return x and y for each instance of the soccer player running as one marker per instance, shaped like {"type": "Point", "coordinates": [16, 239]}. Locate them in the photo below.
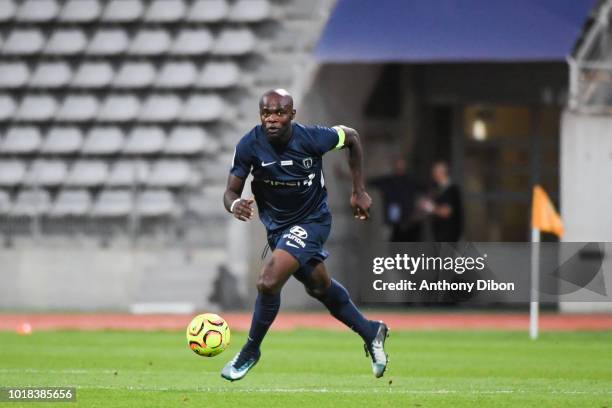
{"type": "Point", "coordinates": [285, 159]}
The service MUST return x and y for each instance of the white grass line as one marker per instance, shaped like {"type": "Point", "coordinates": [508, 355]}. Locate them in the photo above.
{"type": "Point", "coordinates": [52, 371]}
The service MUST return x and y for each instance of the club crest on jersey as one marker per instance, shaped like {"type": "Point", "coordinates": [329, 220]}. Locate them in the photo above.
{"type": "Point", "coordinates": [307, 163]}
{"type": "Point", "coordinates": [299, 232]}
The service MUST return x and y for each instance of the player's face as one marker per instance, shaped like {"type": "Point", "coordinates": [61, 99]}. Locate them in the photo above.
{"type": "Point", "coordinates": [276, 115]}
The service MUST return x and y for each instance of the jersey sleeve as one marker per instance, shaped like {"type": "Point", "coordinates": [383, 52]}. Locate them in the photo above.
{"type": "Point", "coordinates": [327, 138]}
{"type": "Point", "coordinates": [241, 162]}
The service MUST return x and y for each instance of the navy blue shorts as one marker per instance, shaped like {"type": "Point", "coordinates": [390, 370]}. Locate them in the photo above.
{"type": "Point", "coordinates": [303, 240]}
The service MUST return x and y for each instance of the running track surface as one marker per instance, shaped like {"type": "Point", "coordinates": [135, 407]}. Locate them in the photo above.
{"type": "Point", "coordinates": [291, 321]}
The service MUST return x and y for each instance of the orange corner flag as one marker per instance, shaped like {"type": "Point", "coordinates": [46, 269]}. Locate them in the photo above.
{"type": "Point", "coordinates": [543, 214]}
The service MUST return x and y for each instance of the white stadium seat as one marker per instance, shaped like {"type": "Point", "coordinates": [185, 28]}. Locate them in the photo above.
{"type": "Point", "coordinates": [51, 75]}
{"type": "Point", "coordinates": [37, 11]}
{"type": "Point", "coordinates": [66, 42]}
{"type": "Point", "coordinates": [45, 173]}
{"type": "Point", "coordinates": [25, 41]}
{"type": "Point", "coordinates": [31, 203]}
{"type": "Point", "coordinates": [207, 11]}
{"type": "Point", "coordinates": [192, 42]}
{"type": "Point", "coordinates": [93, 75]}
{"type": "Point", "coordinates": [165, 11]}
{"type": "Point", "coordinates": [250, 11]}
{"type": "Point", "coordinates": [7, 107]}
{"type": "Point", "coordinates": [145, 140]}
{"type": "Point", "coordinates": [134, 75]}
{"type": "Point", "coordinates": [80, 11]}
{"type": "Point", "coordinates": [186, 140]}
{"type": "Point", "coordinates": [12, 172]}
{"type": "Point", "coordinates": [103, 141]}
{"type": "Point", "coordinates": [122, 11]}
{"type": "Point", "coordinates": [150, 42]}
{"type": "Point", "coordinates": [62, 140]}
{"type": "Point", "coordinates": [13, 74]}
{"type": "Point", "coordinates": [155, 203]}
{"type": "Point", "coordinates": [176, 75]}
{"type": "Point", "coordinates": [113, 203]}
{"type": "Point", "coordinates": [110, 41]}
{"type": "Point", "coordinates": [203, 108]}
{"type": "Point", "coordinates": [128, 173]}
{"type": "Point", "coordinates": [160, 108]}
{"type": "Point", "coordinates": [119, 108]}
{"type": "Point", "coordinates": [218, 75]}
{"type": "Point", "coordinates": [234, 41]}
{"type": "Point", "coordinates": [71, 203]}
{"type": "Point", "coordinates": [7, 9]}
{"type": "Point", "coordinates": [36, 108]}
{"type": "Point", "coordinates": [78, 108]}
{"type": "Point", "coordinates": [170, 173]}
{"type": "Point", "coordinates": [21, 140]}
{"type": "Point", "coordinates": [5, 202]}
{"type": "Point", "coordinates": [87, 173]}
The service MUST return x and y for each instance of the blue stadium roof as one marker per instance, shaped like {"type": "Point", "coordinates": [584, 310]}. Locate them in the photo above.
{"type": "Point", "coordinates": [452, 30]}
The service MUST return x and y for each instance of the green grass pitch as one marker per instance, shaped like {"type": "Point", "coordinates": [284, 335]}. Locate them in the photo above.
{"type": "Point", "coordinates": [309, 368]}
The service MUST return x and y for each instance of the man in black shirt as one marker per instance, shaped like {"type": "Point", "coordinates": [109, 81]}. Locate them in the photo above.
{"type": "Point", "coordinates": [446, 206]}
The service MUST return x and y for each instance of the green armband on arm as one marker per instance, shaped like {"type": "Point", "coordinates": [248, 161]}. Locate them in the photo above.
{"type": "Point", "coordinates": [341, 137]}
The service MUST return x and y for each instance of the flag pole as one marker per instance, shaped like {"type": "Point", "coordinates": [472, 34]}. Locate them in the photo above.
{"type": "Point", "coordinates": [535, 283]}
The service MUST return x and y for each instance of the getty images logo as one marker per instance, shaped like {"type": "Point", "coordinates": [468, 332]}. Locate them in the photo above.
{"type": "Point", "coordinates": [299, 232]}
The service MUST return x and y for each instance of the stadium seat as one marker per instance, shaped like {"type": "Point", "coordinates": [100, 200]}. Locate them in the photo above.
{"type": "Point", "coordinates": [234, 41]}
{"type": "Point", "coordinates": [5, 202]}
{"type": "Point", "coordinates": [165, 11]}
{"type": "Point", "coordinates": [50, 75]}
{"type": "Point", "coordinates": [113, 203]}
{"type": "Point", "coordinates": [218, 75]}
{"type": "Point", "coordinates": [62, 140]}
{"type": "Point", "coordinates": [80, 11]}
{"type": "Point", "coordinates": [13, 74]}
{"type": "Point", "coordinates": [145, 140]}
{"type": "Point", "coordinates": [71, 203]}
{"type": "Point", "coordinates": [78, 108]}
{"type": "Point", "coordinates": [187, 140]}
{"type": "Point", "coordinates": [170, 173]}
{"type": "Point", "coordinates": [23, 42]}
{"type": "Point", "coordinates": [119, 108]}
{"type": "Point", "coordinates": [103, 141]}
{"type": "Point", "coordinates": [160, 108]}
{"type": "Point", "coordinates": [66, 42]}
{"type": "Point", "coordinates": [122, 11]}
{"type": "Point", "coordinates": [21, 140]}
{"type": "Point", "coordinates": [250, 11]}
{"type": "Point", "coordinates": [31, 203]}
{"type": "Point", "coordinates": [37, 11]}
{"type": "Point", "coordinates": [128, 173]}
{"type": "Point", "coordinates": [150, 42]}
{"type": "Point", "coordinates": [203, 108]}
{"type": "Point", "coordinates": [12, 172]}
{"type": "Point", "coordinates": [93, 75]}
{"type": "Point", "coordinates": [87, 173]}
{"type": "Point", "coordinates": [7, 10]}
{"type": "Point", "coordinates": [36, 108]}
{"type": "Point", "coordinates": [134, 75]}
{"type": "Point", "coordinates": [46, 173]}
{"type": "Point", "coordinates": [7, 107]}
{"type": "Point", "coordinates": [110, 41]}
{"type": "Point", "coordinates": [207, 11]}
{"type": "Point", "coordinates": [176, 75]}
{"type": "Point", "coordinates": [155, 203]}
{"type": "Point", "coordinates": [192, 42]}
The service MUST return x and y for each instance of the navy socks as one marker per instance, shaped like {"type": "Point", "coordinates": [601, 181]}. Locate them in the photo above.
{"type": "Point", "coordinates": [266, 309]}
{"type": "Point", "coordinates": [337, 300]}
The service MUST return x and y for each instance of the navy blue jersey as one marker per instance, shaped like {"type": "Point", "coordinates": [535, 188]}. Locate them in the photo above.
{"type": "Point", "coordinates": [288, 182]}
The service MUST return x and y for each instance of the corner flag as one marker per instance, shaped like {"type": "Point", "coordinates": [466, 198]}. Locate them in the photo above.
{"type": "Point", "coordinates": [543, 214]}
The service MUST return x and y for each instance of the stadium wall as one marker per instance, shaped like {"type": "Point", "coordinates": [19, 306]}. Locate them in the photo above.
{"type": "Point", "coordinates": [586, 190]}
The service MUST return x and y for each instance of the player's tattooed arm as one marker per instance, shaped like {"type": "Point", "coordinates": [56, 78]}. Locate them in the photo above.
{"type": "Point", "coordinates": [360, 199]}
{"type": "Point", "coordinates": [241, 208]}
